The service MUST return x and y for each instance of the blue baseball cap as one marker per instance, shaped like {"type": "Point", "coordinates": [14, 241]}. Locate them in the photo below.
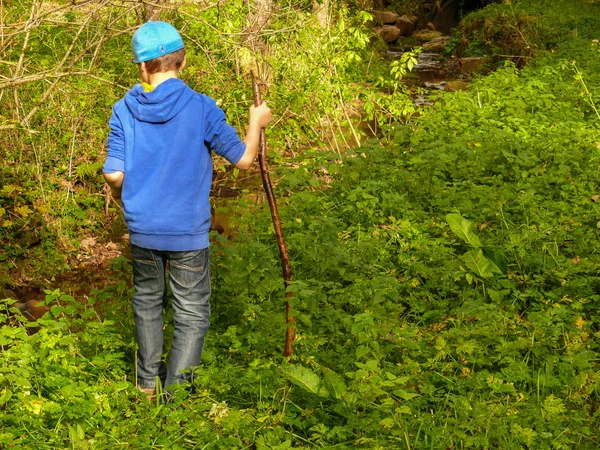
{"type": "Point", "coordinates": [155, 39]}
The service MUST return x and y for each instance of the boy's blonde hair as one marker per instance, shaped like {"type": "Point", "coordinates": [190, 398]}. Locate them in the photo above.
{"type": "Point", "coordinates": [166, 63]}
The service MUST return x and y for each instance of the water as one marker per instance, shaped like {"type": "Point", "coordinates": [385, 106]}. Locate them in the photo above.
{"type": "Point", "coordinates": [428, 63]}
{"type": "Point", "coordinates": [432, 73]}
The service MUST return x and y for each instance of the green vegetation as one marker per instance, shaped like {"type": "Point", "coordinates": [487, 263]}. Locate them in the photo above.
{"type": "Point", "coordinates": [446, 292]}
{"type": "Point", "coordinates": [68, 63]}
{"type": "Point", "coordinates": [520, 30]}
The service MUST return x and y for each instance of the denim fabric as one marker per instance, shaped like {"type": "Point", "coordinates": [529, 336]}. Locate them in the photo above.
{"type": "Point", "coordinates": [189, 278]}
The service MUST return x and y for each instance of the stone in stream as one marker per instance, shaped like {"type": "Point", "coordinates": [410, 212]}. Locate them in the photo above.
{"type": "Point", "coordinates": [385, 17]}
{"type": "Point", "coordinates": [20, 306]}
{"type": "Point", "coordinates": [35, 311]}
{"type": "Point", "coordinates": [427, 35]}
{"type": "Point", "coordinates": [436, 45]}
{"type": "Point", "coordinates": [406, 25]}
{"type": "Point", "coordinates": [447, 85]}
{"type": "Point", "coordinates": [470, 65]}
{"type": "Point", "coordinates": [429, 62]}
{"type": "Point", "coordinates": [389, 33]}
{"type": "Point", "coordinates": [435, 85]}
{"type": "Point", "coordinates": [456, 85]}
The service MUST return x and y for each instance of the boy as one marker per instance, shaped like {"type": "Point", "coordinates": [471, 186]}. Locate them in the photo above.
{"type": "Point", "coordinates": [159, 163]}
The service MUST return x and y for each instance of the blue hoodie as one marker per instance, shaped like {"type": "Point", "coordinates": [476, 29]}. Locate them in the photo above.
{"type": "Point", "coordinates": [162, 141]}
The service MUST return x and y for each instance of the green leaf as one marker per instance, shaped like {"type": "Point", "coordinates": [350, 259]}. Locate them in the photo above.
{"type": "Point", "coordinates": [334, 383]}
{"type": "Point", "coordinates": [498, 259]}
{"type": "Point", "coordinates": [477, 263]}
{"type": "Point", "coordinates": [403, 410]}
{"type": "Point", "coordinates": [405, 395]}
{"type": "Point", "coordinates": [5, 395]}
{"type": "Point", "coordinates": [463, 229]}
{"type": "Point", "coordinates": [498, 296]}
{"type": "Point", "coordinates": [305, 378]}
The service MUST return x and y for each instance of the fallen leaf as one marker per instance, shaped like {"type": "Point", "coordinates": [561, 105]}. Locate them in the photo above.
{"type": "Point", "coordinates": [88, 243]}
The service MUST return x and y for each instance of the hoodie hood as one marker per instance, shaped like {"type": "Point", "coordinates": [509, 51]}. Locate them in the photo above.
{"type": "Point", "coordinates": [161, 104]}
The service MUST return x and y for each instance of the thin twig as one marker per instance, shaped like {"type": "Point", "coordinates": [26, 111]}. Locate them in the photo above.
{"type": "Point", "coordinates": [19, 67]}
{"type": "Point", "coordinates": [2, 34]}
{"type": "Point", "coordinates": [71, 161]}
{"type": "Point", "coordinates": [38, 164]}
{"type": "Point", "coordinates": [348, 118]}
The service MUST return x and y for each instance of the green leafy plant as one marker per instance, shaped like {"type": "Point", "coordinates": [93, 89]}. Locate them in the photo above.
{"type": "Point", "coordinates": [391, 103]}
{"type": "Point", "coordinates": [484, 262]}
{"type": "Point", "coordinates": [585, 92]}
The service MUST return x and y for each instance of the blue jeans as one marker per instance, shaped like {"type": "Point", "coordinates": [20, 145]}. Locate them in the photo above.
{"type": "Point", "coordinates": [189, 278]}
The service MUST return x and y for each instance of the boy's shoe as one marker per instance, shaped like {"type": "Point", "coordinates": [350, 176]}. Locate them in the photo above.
{"type": "Point", "coordinates": [150, 393]}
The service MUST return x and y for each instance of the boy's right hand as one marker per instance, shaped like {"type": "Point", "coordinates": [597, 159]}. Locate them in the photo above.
{"type": "Point", "coordinates": [260, 115]}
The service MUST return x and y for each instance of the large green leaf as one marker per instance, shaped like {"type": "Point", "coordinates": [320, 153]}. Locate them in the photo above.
{"type": "Point", "coordinates": [477, 263]}
{"type": "Point", "coordinates": [497, 258]}
{"type": "Point", "coordinates": [334, 383]}
{"type": "Point", "coordinates": [463, 229]}
{"type": "Point", "coordinates": [305, 378]}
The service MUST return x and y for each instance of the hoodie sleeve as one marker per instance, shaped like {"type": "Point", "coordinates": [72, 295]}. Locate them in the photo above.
{"type": "Point", "coordinates": [115, 161]}
{"type": "Point", "coordinates": [221, 137]}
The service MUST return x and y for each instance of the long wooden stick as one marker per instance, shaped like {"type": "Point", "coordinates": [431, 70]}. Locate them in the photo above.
{"type": "Point", "coordinates": [285, 259]}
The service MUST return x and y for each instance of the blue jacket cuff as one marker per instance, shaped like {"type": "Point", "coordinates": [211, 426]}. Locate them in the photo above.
{"type": "Point", "coordinates": [113, 164]}
{"type": "Point", "coordinates": [236, 153]}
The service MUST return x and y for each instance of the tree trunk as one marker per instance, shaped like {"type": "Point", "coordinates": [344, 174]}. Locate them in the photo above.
{"type": "Point", "coordinates": [321, 12]}
{"type": "Point", "coordinates": [259, 17]}
{"type": "Point", "coordinates": [152, 11]}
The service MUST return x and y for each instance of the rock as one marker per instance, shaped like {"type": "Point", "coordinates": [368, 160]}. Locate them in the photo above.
{"type": "Point", "coordinates": [427, 35]}
{"type": "Point", "coordinates": [389, 33]}
{"type": "Point", "coordinates": [436, 85]}
{"type": "Point", "coordinates": [384, 17]}
{"type": "Point", "coordinates": [216, 226]}
{"type": "Point", "coordinates": [422, 100]}
{"type": "Point", "coordinates": [32, 303]}
{"type": "Point", "coordinates": [429, 62]}
{"type": "Point", "coordinates": [436, 45]}
{"type": "Point", "coordinates": [35, 311]}
{"type": "Point", "coordinates": [20, 306]}
{"type": "Point", "coordinates": [470, 65]}
{"type": "Point", "coordinates": [456, 85]}
{"type": "Point", "coordinates": [406, 25]}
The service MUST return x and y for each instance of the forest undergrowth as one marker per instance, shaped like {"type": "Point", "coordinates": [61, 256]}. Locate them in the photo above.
{"type": "Point", "coordinates": [446, 290]}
